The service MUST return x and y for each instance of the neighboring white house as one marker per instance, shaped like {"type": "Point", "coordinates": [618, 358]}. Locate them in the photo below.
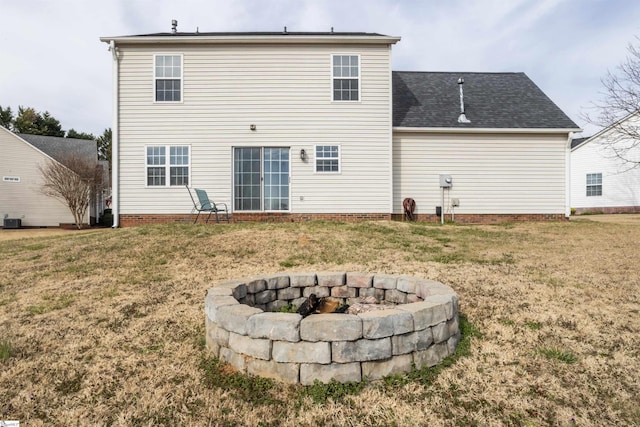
{"type": "Point", "coordinates": [21, 195]}
{"type": "Point", "coordinates": [296, 126]}
{"type": "Point", "coordinates": [602, 181]}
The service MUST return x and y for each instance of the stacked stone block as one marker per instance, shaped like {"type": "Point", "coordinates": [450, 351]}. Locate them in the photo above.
{"type": "Point", "coordinates": [245, 330]}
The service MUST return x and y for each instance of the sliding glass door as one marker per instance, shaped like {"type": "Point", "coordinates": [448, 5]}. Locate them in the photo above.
{"type": "Point", "coordinates": [261, 179]}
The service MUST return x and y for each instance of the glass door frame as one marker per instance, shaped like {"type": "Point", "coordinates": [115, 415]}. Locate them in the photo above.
{"type": "Point", "coordinates": [262, 174]}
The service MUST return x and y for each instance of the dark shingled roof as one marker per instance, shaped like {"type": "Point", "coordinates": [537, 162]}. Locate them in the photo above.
{"type": "Point", "coordinates": [492, 100]}
{"type": "Point", "coordinates": [578, 141]}
{"type": "Point", "coordinates": [58, 148]}
{"type": "Point", "coordinates": [259, 34]}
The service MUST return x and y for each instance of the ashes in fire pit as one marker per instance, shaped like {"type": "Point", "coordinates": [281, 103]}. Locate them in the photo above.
{"type": "Point", "coordinates": [372, 325]}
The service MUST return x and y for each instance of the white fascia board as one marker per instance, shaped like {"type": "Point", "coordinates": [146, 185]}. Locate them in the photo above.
{"type": "Point", "coordinates": [605, 130]}
{"type": "Point", "coordinates": [33, 147]}
{"type": "Point", "coordinates": [484, 130]}
{"type": "Point", "coordinates": [267, 39]}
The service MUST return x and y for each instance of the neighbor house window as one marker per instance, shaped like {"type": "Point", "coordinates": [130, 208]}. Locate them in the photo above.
{"type": "Point", "coordinates": [168, 165]}
{"type": "Point", "coordinates": [327, 158]}
{"type": "Point", "coordinates": [168, 78]}
{"type": "Point", "coordinates": [346, 77]}
{"type": "Point", "coordinates": [594, 184]}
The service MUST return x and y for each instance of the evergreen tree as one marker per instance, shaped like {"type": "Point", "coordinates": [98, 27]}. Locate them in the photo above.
{"type": "Point", "coordinates": [25, 121]}
{"type": "Point", "coordinates": [30, 121]}
{"type": "Point", "coordinates": [72, 133]}
{"type": "Point", "coordinates": [6, 117]}
{"type": "Point", "coordinates": [104, 146]}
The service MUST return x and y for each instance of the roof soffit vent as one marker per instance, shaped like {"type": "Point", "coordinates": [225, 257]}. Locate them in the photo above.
{"type": "Point", "coordinates": [462, 118]}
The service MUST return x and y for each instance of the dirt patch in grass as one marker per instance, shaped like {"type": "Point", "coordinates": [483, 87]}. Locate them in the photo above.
{"type": "Point", "coordinates": [107, 328]}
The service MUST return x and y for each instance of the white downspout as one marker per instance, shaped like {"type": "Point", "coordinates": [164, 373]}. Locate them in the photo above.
{"type": "Point", "coordinates": [115, 184]}
{"type": "Point", "coordinates": [567, 179]}
{"type": "Point", "coordinates": [391, 142]}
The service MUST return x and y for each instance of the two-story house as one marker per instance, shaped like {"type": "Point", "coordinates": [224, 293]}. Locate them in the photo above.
{"type": "Point", "coordinates": [294, 126]}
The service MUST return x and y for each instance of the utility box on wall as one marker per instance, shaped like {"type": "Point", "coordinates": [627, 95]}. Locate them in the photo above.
{"type": "Point", "coordinates": [446, 181]}
{"type": "Point", "coordinates": [12, 223]}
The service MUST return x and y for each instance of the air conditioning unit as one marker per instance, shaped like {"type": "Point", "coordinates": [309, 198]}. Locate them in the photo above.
{"type": "Point", "coordinates": [12, 223]}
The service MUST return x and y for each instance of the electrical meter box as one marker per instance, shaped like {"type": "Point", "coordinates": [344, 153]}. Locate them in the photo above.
{"type": "Point", "coordinates": [445, 181]}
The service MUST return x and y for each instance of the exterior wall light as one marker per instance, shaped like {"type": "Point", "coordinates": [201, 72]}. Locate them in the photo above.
{"type": "Point", "coordinates": [252, 127]}
{"type": "Point", "coordinates": [303, 155]}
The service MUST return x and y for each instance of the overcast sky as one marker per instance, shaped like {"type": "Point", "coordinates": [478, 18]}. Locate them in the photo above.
{"type": "Point", "coordinates": [51, 57]}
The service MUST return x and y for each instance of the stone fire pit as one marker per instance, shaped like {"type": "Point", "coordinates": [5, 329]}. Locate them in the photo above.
{"type": "Point", "coordinates": [245, 329]}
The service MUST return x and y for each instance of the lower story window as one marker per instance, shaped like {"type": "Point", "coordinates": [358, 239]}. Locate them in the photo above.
{"type": "Point", "coordinates": [327, 158]}
{"type": "Point", "coordinates": [594, 184]}
{"type": "Point", "coordinates": [168, 165]}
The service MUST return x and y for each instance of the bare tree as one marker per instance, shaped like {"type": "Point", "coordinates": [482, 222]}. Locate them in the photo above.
{"type": "Point", "coordinates": [73, 180]}
{"type": "Point", "coordinates": [620, 110]}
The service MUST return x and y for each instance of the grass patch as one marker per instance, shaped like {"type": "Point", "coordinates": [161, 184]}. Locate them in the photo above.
{"type": "Point", "coordinates": [289, 308]}
{"type": "Point", "coordinates": [6, 350]}
{"type": "Point", "coordinates": [70, 384]}
{"type": "Point", "coordinates": [248, 388]}
{"type": "Point", "coordinates": [426, 375]}
{"type": "Point", "coordinates": [297, 260]}
{"type": "Point", "coordinates": [321, 393]}
{"type": "Point", "coordinates": [35, 247]}
{"type": "Point", "coordinates": [51, 303]}
{"type": "Point", "coordinates": [7, 298]}
{"type": "Point", "coordinates": [553, 353]}
{"type": "Point", "coordinates": [110, 292]}
{"type": "Point", "coordinates": [534, 326]}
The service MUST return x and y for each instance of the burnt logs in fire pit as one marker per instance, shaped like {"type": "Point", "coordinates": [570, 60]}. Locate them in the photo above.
{"type": "Point", "coordinates": [313, 305]}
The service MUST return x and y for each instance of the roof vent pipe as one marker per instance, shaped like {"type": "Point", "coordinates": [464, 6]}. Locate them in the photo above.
{"type": "Point", "coordinates": [462, 118]}
{"type": "Point", "coordinates": [174, 26]}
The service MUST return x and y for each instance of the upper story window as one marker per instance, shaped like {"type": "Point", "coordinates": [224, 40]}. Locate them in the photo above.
{"type": "Point", "coordinates": [594, 184]}
{"type": "Point", "coordinates": [346, 77]}
{"type": "Point", "coordinates": [168, 78]}
{"type": "Point", "coordinates": [175, 165]}
{"type": "Point", "coordinates": [327, 158]}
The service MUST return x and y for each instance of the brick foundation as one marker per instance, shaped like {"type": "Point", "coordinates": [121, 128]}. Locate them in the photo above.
{"type": "Point", "coordinates": [609, 210]}
{"type": "Point", "coordinates": [486, 218]}
{"type": "Point", "coordinates": [298, 217]}
{"type": "Point", "coordinates": [144, 219]}
{"type": "Point", "coordinates": [130, 220]}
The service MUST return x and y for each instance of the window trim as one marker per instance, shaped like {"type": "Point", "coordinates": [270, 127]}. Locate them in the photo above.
{"type": "Point", "coordinates": [167, 165]}
{"type": "Point", "coordinates": [155, 78]}
{"type": "Point", "coordinates": [315, 160]}
{"type": "Point", "coordinates": [593, 187]}
{"type": "Point", "coordinates": [359, 78]}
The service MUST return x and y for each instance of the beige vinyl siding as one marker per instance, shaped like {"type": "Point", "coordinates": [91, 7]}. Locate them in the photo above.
{"type": "Point", "coordinates": [492, 173]}
{"type": "Point", "coordinates": [285, 90]}
{"type": "Point", "coordinates": [24, 199]}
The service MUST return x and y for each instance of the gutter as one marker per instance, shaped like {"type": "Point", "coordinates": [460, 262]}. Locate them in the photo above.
{"type": "Point", "coordinates": [483, 130]}
{"type": "Point", "coordinates": [253, 39]}
{"type": "Point", "coordinates": [115, 184]}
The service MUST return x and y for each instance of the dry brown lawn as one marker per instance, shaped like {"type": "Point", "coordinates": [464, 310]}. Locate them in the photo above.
{"type": "Point", "coordinates": [106, 327]}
